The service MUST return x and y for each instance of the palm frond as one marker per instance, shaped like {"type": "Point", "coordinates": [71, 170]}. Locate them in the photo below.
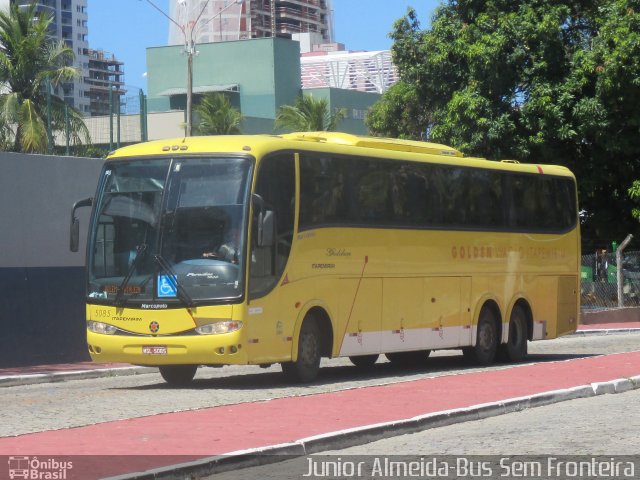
{"type": "Point", "coordinates": [217, 116]}
{"type": "Point", "coordinates": [308, 115]}
{"type": "Point", "coordinates": [28, 60]}
{"type": "Point", "coordinates": [32, 132]}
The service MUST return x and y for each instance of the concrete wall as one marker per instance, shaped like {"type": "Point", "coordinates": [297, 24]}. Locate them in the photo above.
{"type": "Point", "coordinates": [42, 313]}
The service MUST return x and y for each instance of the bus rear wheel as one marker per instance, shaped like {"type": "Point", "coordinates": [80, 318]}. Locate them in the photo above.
{"type": "Point", "coordinates": [364, 361]}
{"type": "Point", "coordinates": [408, 359]}
{"type": "Point", "coordinates": [515, 350]}
{"type": "Point", "coordinates": [484, 352]}
{"type": "Point", "coordinates": [305, 368]}
{"type": "Point", "coordinates": [178, 375]}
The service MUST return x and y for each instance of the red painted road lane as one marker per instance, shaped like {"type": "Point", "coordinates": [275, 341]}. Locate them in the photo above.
{"type": "Point", "coordinates": [224, 429]}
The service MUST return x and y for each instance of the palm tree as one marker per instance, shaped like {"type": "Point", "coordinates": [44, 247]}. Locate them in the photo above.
{"type": "Point", "coordinates": [217, 116]}
{"type": "Point", "coordinates": [309, 115]}
{"type": "Point", "coordinates": [30, 63]}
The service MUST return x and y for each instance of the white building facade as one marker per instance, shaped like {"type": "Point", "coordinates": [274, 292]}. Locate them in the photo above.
{"type": "Point", "coordinates": [372, 72]}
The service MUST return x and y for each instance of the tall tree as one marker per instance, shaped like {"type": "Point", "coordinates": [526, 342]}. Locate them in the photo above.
{"type": "Point", "coordinates": [30, 63]}
{"type": "Point", "coordinates": [309, 115]}
{"type": "Point", "coordinates": [540, 81]}
{"type": "Point", "coordinates": [217, 116]}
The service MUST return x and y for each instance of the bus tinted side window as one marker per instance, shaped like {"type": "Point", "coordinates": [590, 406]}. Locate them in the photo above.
{"type": "Point", "coordinates": [360, 191]}
{"type": "Point", "coordinates": [541, 204]}
{"type": "Point", "coordinates": [322, 184]}
{"type": "Point", "coordinates": [370, 183]}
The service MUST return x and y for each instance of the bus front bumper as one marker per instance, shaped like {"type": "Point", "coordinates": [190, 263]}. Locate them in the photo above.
{"type": "Point", "coordinates": [223, 349]}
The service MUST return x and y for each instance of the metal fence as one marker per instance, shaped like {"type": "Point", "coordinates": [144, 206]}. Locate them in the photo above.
{"type": "Point", "coordinates": [599, 280]}
{"type": "Point", "coordinates": [125, 121]}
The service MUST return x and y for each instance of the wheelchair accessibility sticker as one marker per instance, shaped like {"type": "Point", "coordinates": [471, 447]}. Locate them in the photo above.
{"type": "Point", "coordinates": [167, 286]}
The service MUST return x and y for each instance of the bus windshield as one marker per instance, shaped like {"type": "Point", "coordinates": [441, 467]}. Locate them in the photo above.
{"type": "Point", "coordinates": [170, 230]}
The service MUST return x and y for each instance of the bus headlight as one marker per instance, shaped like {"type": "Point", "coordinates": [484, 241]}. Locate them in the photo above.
{"type": "Point", "coordinates": [226, 326]}
{"type": "Point", "coordinates": [103, 328]}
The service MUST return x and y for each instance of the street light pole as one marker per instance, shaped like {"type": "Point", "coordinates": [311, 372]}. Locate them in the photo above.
{"type": "Point", "coordinates": [190, 55]}
{"type": "Point", "coordinates": [190, 50]}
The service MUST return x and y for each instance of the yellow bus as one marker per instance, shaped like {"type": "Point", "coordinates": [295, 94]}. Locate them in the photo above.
{"type": "Point", "coordinates": [285, 249]}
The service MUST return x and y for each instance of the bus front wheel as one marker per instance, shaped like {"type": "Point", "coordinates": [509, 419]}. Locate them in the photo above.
{"type": "Point", "coordinates": [178, 375]}
{"type": "Point", "coordinates": [486, 346]}
{"type": "Point", "coordinates": [305, 368]}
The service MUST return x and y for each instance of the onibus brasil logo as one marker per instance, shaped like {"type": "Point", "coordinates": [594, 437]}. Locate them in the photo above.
{"type": "Point", "coordinates": [38, 469]}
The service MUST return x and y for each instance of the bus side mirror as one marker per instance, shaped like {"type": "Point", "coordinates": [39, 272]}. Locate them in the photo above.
{"type": "Point", "coordinates": [74, 231]}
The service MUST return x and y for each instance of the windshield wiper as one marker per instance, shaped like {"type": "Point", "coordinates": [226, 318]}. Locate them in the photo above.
{"type": "Point", "coordinates": [140, 249]}
{"type": "Point", "coordinates": [173, 278]}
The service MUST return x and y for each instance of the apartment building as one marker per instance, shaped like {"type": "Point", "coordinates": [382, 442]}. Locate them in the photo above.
{"type": "Point", "coordinates": [99, 71]}
{"type": "Point", "coordinates": [105, 82]}
{"type": "Point", "coordinates": [70, 25]}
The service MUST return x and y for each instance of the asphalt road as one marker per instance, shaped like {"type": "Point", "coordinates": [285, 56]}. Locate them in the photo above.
{"type": "Point", "coordinates": [35, 408]}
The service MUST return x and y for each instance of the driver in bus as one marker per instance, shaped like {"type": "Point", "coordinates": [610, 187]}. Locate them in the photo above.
{"type": "Point", "coordinates": [228, 251]}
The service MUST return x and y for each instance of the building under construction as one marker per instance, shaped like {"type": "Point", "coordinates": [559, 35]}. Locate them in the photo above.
{"type": "Point", "coordinates": [105, 81]}
{"type": "Point", "coordinates": [225, 20]}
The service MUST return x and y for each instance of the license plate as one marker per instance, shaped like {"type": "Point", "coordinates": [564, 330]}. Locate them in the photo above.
{"type": "Point", "coordinates": [154, 350]}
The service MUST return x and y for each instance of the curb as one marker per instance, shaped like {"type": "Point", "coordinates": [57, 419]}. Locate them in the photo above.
{"type": "Point", "coordinates": [370, 433]}
{"type": "Point", "coordinates": [36, 378]}
{"type": "Point", "coordinates": [605, 331]}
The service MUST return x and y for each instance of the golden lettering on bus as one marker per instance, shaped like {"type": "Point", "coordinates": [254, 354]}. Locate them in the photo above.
{"type": "Point", "coordinates": [338, 252]}
{"type": "Point", "coordinates": [468, 252]}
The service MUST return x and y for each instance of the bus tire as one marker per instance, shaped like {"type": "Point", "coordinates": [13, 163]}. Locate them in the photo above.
{"type": "Point", "coordinates": [364, 361]}
{"type": "Point", "coordinates": [305, 368]}
{"type": "Point", "coordinates": [178, 375]}
{"type": "Point", "coordinates": [484, 352]}
{"type": "Point", "coordinates": [515, 350]}
{"type": "Point", "coordinates": [408, 359]}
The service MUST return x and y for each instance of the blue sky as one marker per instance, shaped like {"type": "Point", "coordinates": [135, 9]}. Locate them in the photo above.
{"type": "Point", "coordinates": [128, 27]}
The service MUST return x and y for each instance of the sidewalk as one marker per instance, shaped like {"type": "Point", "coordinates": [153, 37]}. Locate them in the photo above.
{"type": "Point", "coordinates": [60, 372]}
{"type": "Point", "coordinates": [233, 435]}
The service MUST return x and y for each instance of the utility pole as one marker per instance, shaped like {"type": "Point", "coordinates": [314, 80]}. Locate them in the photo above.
{"type": "Point", "coordinates": [188, 31]}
